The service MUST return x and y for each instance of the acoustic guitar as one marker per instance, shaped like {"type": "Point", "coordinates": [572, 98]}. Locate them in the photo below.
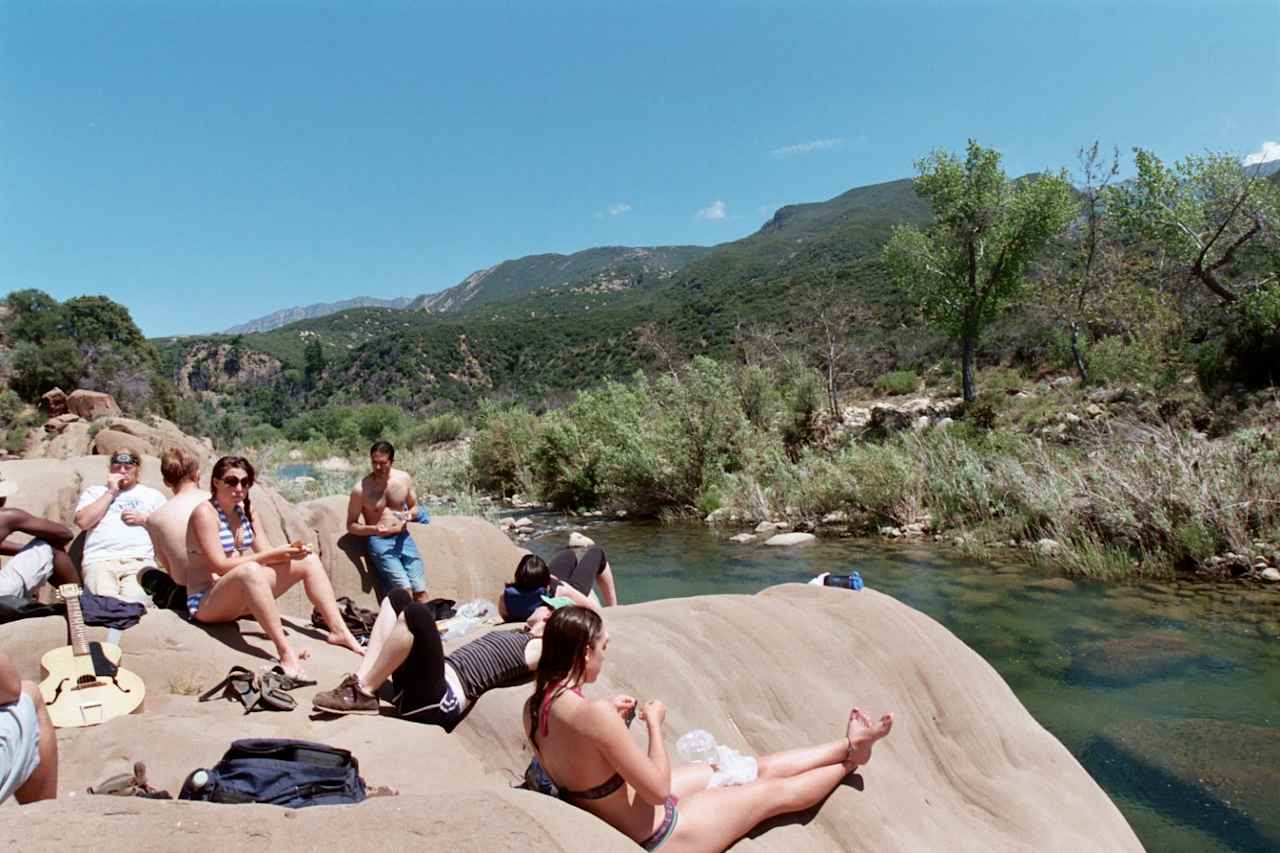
{"type": "Point", "coordinates": [84, 684]}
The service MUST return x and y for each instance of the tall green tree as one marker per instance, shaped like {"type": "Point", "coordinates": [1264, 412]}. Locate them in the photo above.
{"type": "Point", "coordinates": [971, 263]}
{"type": "Point", "coordinates": [1214, 218]}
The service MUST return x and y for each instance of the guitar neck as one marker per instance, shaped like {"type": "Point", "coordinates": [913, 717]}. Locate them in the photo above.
{"type": "Point", "coordinates": [75, 627]}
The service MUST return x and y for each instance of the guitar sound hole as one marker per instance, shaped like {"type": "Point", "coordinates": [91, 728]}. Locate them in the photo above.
{"type": "Point", "coordinates": [86, 681]}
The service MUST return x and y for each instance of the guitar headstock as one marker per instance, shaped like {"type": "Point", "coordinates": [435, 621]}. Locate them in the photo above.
{"type": "Point", "coordinates": [68, 591]}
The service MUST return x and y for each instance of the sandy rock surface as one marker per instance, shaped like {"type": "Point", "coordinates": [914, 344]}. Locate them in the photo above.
{"type": "Point", "coordinates": [966, 767]}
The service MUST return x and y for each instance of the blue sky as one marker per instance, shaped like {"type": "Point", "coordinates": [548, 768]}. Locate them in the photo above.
{"type": "Point", "coordinates": [208, 162]}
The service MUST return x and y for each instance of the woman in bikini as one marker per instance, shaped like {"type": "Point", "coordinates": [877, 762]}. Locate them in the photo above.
{"type": "Point", "coordinates": [581, 741]}
{"type": "Point", "coordinates": [233, 569]}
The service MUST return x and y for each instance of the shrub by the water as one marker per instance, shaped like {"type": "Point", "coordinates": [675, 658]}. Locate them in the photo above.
{"type": "Point", "coordinates": [897, 382]}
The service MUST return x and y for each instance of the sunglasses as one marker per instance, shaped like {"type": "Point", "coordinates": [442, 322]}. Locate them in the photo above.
{"type": "Point", "coordinates": [232, 482]}
{"type": "Point", "coordinates": [129, 463]}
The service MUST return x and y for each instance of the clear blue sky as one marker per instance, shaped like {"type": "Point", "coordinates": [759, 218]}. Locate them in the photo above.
{"type": "Point", "coordinates": [207, 162]}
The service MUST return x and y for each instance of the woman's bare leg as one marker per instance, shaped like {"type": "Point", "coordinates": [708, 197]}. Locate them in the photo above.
{"type": "Point", "coordinates": [382, 628]}
{"type": "Point", "coordinates": [714, 819]}
{"type": "Point", "coordinates": [250, 585]}
{"type": "Point", "coordinates": [394, 650]}
{"type": "Point", "coordinates": [315, 581]}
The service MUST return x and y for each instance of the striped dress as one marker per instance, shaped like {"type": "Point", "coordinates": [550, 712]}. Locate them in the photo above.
{"type": "Point", "coordinates": [493, 660]}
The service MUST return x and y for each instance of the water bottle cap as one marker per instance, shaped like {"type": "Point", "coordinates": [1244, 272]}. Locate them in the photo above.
{"type": "Point", "coordinates": [200, 778]}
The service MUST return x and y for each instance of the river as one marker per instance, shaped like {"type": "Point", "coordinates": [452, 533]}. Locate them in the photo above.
{"type": "Point", "coordinates": [1168, 694]}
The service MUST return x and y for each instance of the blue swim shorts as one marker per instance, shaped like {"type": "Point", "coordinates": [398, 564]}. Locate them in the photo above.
{"type": "Point", "coordinates": [397, 562]}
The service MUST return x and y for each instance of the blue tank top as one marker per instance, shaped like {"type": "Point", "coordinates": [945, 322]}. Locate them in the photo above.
{"type": "Point", "coordinates": [520, 604]}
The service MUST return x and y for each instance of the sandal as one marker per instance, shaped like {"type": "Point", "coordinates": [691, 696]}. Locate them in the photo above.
{"type": "Point", "coordinates": [274, 695]}
{"type": "Point", "coordinates": [252, 692]}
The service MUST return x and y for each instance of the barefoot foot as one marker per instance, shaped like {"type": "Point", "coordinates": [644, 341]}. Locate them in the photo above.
{"type": "Point", "coordinates": [346, 640]}
{"type": "Point", "coordinates": [863, 734]}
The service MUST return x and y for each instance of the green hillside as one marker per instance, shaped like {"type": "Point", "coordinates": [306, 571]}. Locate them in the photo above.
{"type": "Point", "coordinates": [522, 275]}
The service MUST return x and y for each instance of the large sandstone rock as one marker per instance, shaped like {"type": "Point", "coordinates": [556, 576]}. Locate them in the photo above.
{"type": "Point", "coordinates": [465, 557]}
{"type": "Point", "coordinates": [156, 437]}
{"type": "Point", "coordinates": [91, 404]}
{"type": "Point", "coordinates": [54, 401]}
{"type": "Point", "coordinates": [966, 767]}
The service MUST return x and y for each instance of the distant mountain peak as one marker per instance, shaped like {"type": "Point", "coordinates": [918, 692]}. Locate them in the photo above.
{"type": "Point", "coordinates": [285, 316]}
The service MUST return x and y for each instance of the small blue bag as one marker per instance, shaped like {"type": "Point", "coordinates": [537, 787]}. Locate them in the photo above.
{"type": "Point", "coordinates": [280, 772]}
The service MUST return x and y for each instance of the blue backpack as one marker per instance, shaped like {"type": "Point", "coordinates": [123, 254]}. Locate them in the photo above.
{"type": "Point", "coordinates": [289, 773]}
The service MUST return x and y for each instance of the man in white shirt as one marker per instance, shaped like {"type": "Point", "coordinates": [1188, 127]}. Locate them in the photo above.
{"type": "Point", "coordinates": [114, 516]}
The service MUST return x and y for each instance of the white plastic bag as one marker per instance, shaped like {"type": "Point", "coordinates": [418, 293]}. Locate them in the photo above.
{"type": "Point", "coordinates": [733, 768]}
{"type": "Point", "coordinates": [697, 747]}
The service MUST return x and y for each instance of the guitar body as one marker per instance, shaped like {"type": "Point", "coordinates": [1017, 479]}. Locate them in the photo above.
{"type": "Point", "coordinates": [84, 684]}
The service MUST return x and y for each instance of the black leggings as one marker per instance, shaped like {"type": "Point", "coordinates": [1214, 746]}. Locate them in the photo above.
{"type": "Point", "coordinates": [579, 573]}
{"type": "Point", "coordinates": [422, 694]}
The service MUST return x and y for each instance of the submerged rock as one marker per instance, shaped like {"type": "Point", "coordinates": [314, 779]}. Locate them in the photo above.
{"type": "Point", "coordinates": [1130, 660]}
{"type": "Point", "coordinates": [790, 539]}
{"type": "Point", "coordinates": [743, 538]}
{"type": "Point", "coordinates": [577, 540]}
{"type": "Point", "coordinates": [1206, 773]}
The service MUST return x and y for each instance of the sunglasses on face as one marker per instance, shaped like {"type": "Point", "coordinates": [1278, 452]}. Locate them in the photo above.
{"type": "Point", "coordinates": [124, 463]}
{"type": "Point", "coordinates": [233, 481]}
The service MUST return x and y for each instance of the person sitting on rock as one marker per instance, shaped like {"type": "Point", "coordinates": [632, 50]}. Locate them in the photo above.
{"type": "Point", "coordinates": [40, 559]}
{"type": "Point", "coordinates": [535, 582]}
{"type": "Point", "coordinates": [167, 526]}
{"type": "Point", "coordinates": [28, 744]}
{"type": "Point", "coordinates": [232, 568]}
{"type": "Point", "coordinates": [581, 741]}
{"type": "Point", "coordinates": [429, 686]}
{"type": "Point", "coordinates": [116, 544]}
{"type": "Point", "coordinates": [387, 503]}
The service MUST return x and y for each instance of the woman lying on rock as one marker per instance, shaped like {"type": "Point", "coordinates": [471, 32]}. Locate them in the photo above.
{"type": "Point", "coordinates": [568, 576]}
{"type": "Point", "coordinates": [430, 686]}
{"type": "Point", "coordinates": [584, 747]}
{"type": "Point", "coordinates": [232, 568]}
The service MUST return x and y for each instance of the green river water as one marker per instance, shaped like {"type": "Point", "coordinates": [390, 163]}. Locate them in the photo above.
{"type": "Point", "coordinates": [1168, 694]}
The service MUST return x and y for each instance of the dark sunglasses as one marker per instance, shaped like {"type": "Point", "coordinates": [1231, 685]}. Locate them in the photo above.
{"type": "Point", "coordinates": [232, 482]}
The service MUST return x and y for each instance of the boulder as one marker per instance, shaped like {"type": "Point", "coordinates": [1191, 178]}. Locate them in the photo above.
{"type": "Point", "coordinates": [1046, 547]}
{"type": "Point", "coordinates": [577, 540]}
{"type": "Point", "coordinates": [54, 401]}
{"type": "Point", "coordinates": [766, 527]}
{"type": "Point", "coordinates": [783, 539]}
{"type": "Point", "coordinates": [465, 557]}
{"type": "Point", "coordinates": [743, 538]}
{"type": "Point", "coordinates": [91, 404]}
{"type": "Point", "coordinates": [1024, 792]}
{"type": "Point", "coordinates": [1270, 574]}
{"type": "Point", "coordinates": [57, 424]}
{"type": "Point", "coordinates": [157, 436]}
{"type": "Point", "coordinates": [836, 517]}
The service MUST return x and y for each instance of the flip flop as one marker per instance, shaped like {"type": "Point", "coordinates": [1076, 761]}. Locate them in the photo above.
{"type": "Point", "coordinates": [284, 681]}
{"type": "Point", "coordinates": [240, 684]}
{"type": "Point", "coordinates": [274, 696]}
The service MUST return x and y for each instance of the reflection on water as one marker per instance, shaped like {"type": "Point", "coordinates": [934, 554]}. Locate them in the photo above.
{"type": "Point", "coordinates": [1169, 695]}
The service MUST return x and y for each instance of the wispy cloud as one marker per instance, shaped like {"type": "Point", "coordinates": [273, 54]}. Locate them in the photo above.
{"type": "Point", "coordinates": [807, 147]}
{"type": "Point", "coordinates": [1268, 152]}
{"type": "Point", "coordinates": [716, 210]}
{"type": "Point", "coordinates": [615, 209]}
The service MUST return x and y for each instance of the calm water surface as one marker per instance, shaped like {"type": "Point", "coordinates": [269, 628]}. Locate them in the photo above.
{"type": "Point", "coordinates": [1168, 694]}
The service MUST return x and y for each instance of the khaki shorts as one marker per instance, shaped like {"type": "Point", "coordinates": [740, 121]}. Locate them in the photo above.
{"type": "Point", "coordinates": [19, 745]}
{"type": "Point", "coordinates": [27, 569]}
{"type": "Point", "coordinates": [118, 578]}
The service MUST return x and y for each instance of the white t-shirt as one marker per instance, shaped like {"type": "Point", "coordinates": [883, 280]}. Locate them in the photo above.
{"type": "Point", "coordinates": [111, 538]}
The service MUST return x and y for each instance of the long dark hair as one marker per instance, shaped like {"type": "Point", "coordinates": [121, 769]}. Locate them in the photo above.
{"type": "Point", "coordinates": [221, 467]}
{"type": "Point", "coordinates": [532, 572]}
{"type": "Point", "coordinates": [569, 633]}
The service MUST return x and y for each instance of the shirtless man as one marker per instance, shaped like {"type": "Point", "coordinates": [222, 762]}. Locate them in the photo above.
{"type": "Point", "coordinates": [168, 525]}
{"type": "Point", "coordinates": [387, 504]}
{"type": "Point", "coordinates": [34, 562]}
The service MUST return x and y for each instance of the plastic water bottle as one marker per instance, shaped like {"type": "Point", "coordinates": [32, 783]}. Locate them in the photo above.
{"type": "Point", "coordinates": [697, 747]}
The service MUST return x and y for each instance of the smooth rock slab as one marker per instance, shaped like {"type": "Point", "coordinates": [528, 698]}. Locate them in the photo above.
{"type": "Point", "coordinates": [790, 539]}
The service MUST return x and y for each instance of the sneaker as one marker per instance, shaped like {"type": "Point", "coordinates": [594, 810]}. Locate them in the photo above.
{"type": "Point", "coordinates": [346, 698]}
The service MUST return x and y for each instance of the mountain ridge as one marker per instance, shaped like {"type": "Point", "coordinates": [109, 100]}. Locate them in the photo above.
{"type": "Point", "coordinates": [285, 316]}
